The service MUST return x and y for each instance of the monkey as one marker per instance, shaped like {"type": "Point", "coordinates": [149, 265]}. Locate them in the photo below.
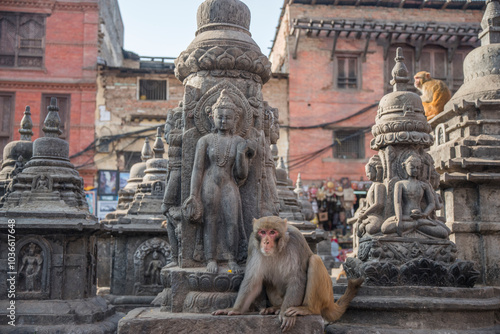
{"type": "Point", "coordinates": [435, 93]}
{"type": "Point", "coordinates": [295, 279]}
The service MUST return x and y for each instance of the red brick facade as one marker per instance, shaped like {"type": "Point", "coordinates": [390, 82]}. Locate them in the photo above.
{"type": "Point", "coordinates": [69, 69]}
{"type": "Point", "coordinates": [315, 97]}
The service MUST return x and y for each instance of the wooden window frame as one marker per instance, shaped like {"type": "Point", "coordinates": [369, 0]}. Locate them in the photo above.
{"type": "Point", "coordinates": [347, 54]}
{"type": "Point", "coordinates": [18, 47]}
{"type": "Point", "coordinates": [361, 143]}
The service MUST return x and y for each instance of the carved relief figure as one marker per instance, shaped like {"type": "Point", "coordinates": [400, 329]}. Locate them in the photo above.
{"type": "Point", "coordinates": [157, 189]}
{"type": "Point", "coordinates": [154, 269]}
{"type": "Point", "coordinates": [42, 183]}
{"type": "Point", "coordinates": [270, 200]}
{"type": "Point", "coordinates": [435, 93]}
{"type": "Point", "coordinates": [171, 200]}
{"type": "Point", "coordinates": [220, 168]}
{"type": "Point", "coordinates": [371, 216]}
{"type": "Point", "coordinates": [410, 196]}
{"type": "Point", "coordinates": [31, 264]}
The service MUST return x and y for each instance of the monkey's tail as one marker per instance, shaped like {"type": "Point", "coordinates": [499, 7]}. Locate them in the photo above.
{"type": "Point", "coordinates": [334, 311]}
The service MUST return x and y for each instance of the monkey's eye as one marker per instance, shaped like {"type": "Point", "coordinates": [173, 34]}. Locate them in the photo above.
{"type": "Point", "coordinates": [262, 232]}
{"type": "Point", "coordinates": [272, 232]}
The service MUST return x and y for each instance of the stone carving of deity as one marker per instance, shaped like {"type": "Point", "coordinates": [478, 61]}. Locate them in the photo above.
{"type": "Point", "coordinates": [410, 196]}
{"type": "Point", "coordinates": [154, 269]}
{"type": "Point", "coordinates": [220, 168]}
{"type": "Point", "coordinates": [371, 216]}
{"type": "Point", "coordinates": [31, 264]}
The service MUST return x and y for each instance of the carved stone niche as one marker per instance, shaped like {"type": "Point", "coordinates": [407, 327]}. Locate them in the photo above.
{"type": "Point", "coordinates": [33, 254]}
{"type": "Point", "coordinates": [149, 258]}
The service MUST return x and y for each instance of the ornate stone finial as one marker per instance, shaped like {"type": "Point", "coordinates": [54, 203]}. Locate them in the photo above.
{"type": "Point", "coordinates": [26, 125]}
{"type": "Point", "coordinates": [158, 147]}
{"type": "Point", "coordinates": [282, 164]}
{"type": "Point", "coordinates": [146, 152]}
{"type": "Point", "coordinates": [298, 185]}
{"type": "Point", "coordinates": [52, 121]}
{"type": "Point", "coordinates": [224, 102]}
{"type": "Point", "coordinates": [491, 23]}
{"type": "Point", "coordinates": [232, 14]}
{"type": "Point", "coordinates": [399, 72]}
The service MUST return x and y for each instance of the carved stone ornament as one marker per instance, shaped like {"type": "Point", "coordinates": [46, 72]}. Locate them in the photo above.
{"type": "Point", "coordinates": [149, 258]}
{"type": "Point", "coordinates": [400, 238]}
{"type": "Point", "coordinates": [33, 267]}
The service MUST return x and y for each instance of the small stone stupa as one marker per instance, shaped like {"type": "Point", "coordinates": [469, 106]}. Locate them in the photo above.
{"type": "Point", "coordinates": [55, 245]}
{"type": "Point", "coordinates": [140, 244]}
{"type": "Point", "coordinates": [16, 153]}
{"type": "Point", "coordinates": [467, 153]}
{"type": "Point", "coordinates": [401, 237]}
{"type": "Point", "coordinates": [126, 195]}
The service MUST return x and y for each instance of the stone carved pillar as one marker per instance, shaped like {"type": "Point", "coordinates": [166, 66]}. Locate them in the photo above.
{"type": "Point", "coordinates": [223, 71]}
{"type": "Point", "coordinates": [222, 56]}
{"type": "Point", "coordinates": [401, 239]}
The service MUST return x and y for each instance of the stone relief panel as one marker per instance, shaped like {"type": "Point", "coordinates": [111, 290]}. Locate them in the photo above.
{"type": "Point", "coordinates": [33, 267]}
{"type": "Point", "coordinates": [149, 258]}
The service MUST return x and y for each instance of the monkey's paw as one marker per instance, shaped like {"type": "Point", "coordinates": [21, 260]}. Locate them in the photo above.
{"type": "Point", "coordinates": [222, 312]}
{"type": "Point", "coordinates": [299, 310]}
{"type": "Point", "coordinates": [287, 323]}
{"type": "Point", "coordinates": [270, 310]}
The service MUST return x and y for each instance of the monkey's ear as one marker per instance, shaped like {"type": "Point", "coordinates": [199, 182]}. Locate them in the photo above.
{"type": "Point", "coordinates": [427, 75]}
{"type": "Point", "coordinates": [285, 223]}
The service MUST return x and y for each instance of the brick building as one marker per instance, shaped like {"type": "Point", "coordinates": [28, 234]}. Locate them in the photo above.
{"type": "Point", "coordinates": [132, 101]}
{"type": "Point", "coordinates": [338, 55]}
{"type": "Point", "coordinates": [51, 48]}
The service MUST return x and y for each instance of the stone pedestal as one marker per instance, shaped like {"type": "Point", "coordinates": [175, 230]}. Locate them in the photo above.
{"type": "Point", "coordinates": [147, 320]}
{"type": "Point", "coordinates": [423, 310]}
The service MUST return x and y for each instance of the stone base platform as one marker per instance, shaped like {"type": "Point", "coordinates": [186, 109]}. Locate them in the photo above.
{"type": "Point", "coordinates": [416, 309]}
{"type": "Point", "coordinates": [90, 316]}
{"type": "Point", "coordinates": [127, 303]}
{"type": "Point", "coordinates": [151, 320]}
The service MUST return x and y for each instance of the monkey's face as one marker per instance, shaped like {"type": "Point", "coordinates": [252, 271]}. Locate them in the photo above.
{"type": "Point", "coordinates": [268, 239]}
{"type": "Point", "coordinates": [418, 81]}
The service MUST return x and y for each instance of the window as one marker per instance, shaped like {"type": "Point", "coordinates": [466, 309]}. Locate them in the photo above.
{"type": "Point", "coordinates": [433, 60]}
{"type": "Point", "coordinates": [6, 118]}
{"type": "Point", "coordinates": [153, 89]}
{"type": "Point", "coordinates": [347, 72]}
{"type": "Point", "coordinates": [22, 40]}
{"type": "Point", "coordinates": [348, 144]}
{"type": "Point", "coordinates": [63, 102]}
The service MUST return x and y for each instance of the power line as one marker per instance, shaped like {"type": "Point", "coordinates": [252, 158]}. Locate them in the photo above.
{"type": "Point", "coordinates": [323, 125]}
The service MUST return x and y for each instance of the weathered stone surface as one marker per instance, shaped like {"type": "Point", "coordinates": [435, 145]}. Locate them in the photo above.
{"type": "Point", "coordinates": [147, 320]}
{"type": "Point", "coordinates": [467, 154]}
{"type": "Point", "coordinates": [420, 310]}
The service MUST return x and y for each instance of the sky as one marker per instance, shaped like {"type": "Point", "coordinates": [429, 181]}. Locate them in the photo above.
{"type": "Point", "coordinates": [164, 28]}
